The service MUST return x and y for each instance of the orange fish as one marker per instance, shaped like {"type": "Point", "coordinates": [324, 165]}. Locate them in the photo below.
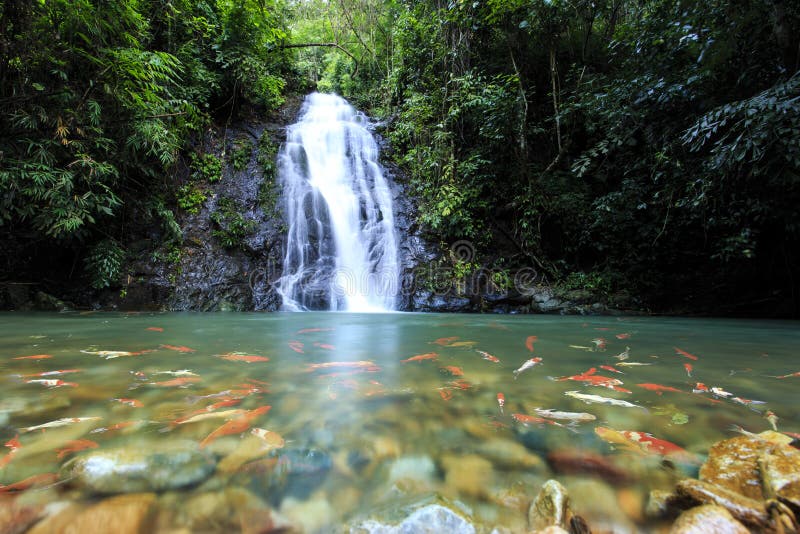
{"type": "Point", "coordinates": [133, 403]}
{"type": "Point", "coordinates": [42, 479]}
{"type": "Point", "coordinates": [688, 367]}
{"type": "Point", "coordinates": [249, 358]}
{"type": "Point", "coordinates": [181, 382]}
{"type": "Point", "coordinates": [421, 357]}
{"type": "Point", "coordinates": [309, 330]}
{"type": "Point", "coordinates": [453, 370]}
{"type": "Point", "coordinates": [177, 348]}
{"type": "Point", "coordinates": [501, 401]}
{"type": "Point", "coordinates": [596, 380]}
{"type": "Point", "coordinates": [623, 336]}
{"type": "Point", "coordinates": [445, 394]}
{"type": "Point", "coordinates": [296, 346]}
{"type": "Point", "coordinates": [236, 426]}
{"type": "Point", "coordinates": [444, 341]}
{"type": "Point", "coordinates": [529, 342]}
{"type": "Point", "coordinates": [325, 346]}
{"type": "Point", "coordinates": [684, 353]}
{"type": "Point", "coordinates": [75, 446]}
{"type": "Point", "coordinates": [489, 357]}
{"type": "Point", "coordinates": [34, 357]}
{"type": "Point", "coordinates": [222, 404]}
{"type": "Point", "coordinates": [659, 389]}
{"type": "Point", "coordinates": [154, 329]}
{"type": "Point", "coordinates": [612, 369]}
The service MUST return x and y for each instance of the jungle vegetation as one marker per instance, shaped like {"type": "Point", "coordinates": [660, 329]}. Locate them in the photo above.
{"type": "Point", "coordinates": [651, 146]}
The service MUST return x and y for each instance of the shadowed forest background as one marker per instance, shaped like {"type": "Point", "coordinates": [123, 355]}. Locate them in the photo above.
{"type": "Point", "coordinates": [651, 147]}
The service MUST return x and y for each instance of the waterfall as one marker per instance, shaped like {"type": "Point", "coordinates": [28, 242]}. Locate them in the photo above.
{"type": "Point", "coordinates": [341, 249]}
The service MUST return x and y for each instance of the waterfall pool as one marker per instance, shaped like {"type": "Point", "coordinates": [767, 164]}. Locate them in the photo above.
{"type": "Point", "coordinates": [369, 413]}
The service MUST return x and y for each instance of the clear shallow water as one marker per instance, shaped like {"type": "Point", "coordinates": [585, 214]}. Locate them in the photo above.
{"type": "Point", "coordinates": [390, 430]}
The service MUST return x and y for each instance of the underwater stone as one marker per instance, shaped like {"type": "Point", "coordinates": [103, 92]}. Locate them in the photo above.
{"type": "Point", "coordinates": [550, 507]}
{"type": "Point", "coordinates": [130, 469]}
{"type": "Point", "coordinates": [707, 518]}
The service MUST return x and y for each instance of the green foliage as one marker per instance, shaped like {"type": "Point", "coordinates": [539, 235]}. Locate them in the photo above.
{"type": "Point", "coordinates": [206, 168]}
{"type": "Point", "coordinates": [191, 197]}
{"type": "Point", "coordinates": [233, 228]}
{"type": "Point", "coordinates": [103, 263]}
{"type": "Point", "coordinates": [595, 282]}
{"type": "Point", "coordinates": [97, 100]}
{"type": "Point", "coordinates": [241, 154]}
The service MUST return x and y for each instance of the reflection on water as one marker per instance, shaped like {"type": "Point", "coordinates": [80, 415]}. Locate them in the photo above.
{"type": "Point", "coordinates": [320, 418]}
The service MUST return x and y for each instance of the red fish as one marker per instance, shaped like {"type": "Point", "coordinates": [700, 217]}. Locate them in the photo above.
{"type": "Point", "coordinates": [249, 358]}
{"type": "Point", "coordinates": [444, 341]}
{"type": "Point", "coordinates": [177, 348]}
{"type": "Point", "coordinates": [489, 357]}
{"type": "Point", "coordinates": [75, 446]}
{"type": "Point", "coordinates": [154, 329]}
{"type": "Point", "coordinates": [34, 357]}
{"type": "Point", "coordinates": [42, 479]}
{"type": "Point", "coordinates": [296, 346]}
{"type": "Point", "coordinates": [445, 394]}
{"type": "Point", "coordinates": [790, 375]}
{"type": "Point", "coordinates": [596, 380]}
{"type": "Point", "coordinates": [133, 403]}
{"type": "Point", "coordinates": [658, 388]}
{"type": "Point", "coordinates": [612, 369]}
{"type": "Point", "coordinates": [684, 353]}
{"type": "Point", "coordinates": [529, 341]}
{"type": "Point", "coordinates": [453, 370]}
{"type": "Point", "coordinates": [421, 357]}
{"type": "Point", "coordinates": [325, 346]}
{"type": "Point", "coordinates": [699, 387]}
{"type": "Point", "coordinates": [688, 367]}
{"type": "Point", "coordinates": [501, 401]}
{"type": "Point", "coordinates": [309, 330]}
{"type": "Point", "coordinates": [644, 443]}
{"type": "Point", "coordinates": [623, 336]}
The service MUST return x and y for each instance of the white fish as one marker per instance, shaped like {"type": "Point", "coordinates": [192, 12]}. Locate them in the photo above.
{"type": "Point", "coordinates": [181, 372]}
{"type": "Point", "coordinates": [601, 400]}
{"type": "Point", "coordinates": [624, 354]}
{"type": "Point", "coordinates": [64, 421]}
{"type": "Point", "coordinates": [631, 364]}
{"type": "Point", "coordinates": [527, 365]}
{"type": "Point", "coordinates": [109, 354]}
{"type": "Point", "coordinates": [564, 416]}
{"type": "Point", "coordinates": [719, 392]}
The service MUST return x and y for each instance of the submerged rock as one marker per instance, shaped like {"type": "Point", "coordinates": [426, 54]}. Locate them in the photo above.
{"type": "Point", "coordinates": [298, 472]}
{"type": "Point", "coordinates": [550, 507]}
{"type": "Point", "coordinates": [707, 518]}
{"type": "Point", "coordinates": [130, 469]}
{"type": "Point", "coordinates": [122, 514]}
{"type": "Point", "coordinates": [430, 519]}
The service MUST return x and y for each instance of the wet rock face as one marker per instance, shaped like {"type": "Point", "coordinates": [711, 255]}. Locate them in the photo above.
{"type": "Point", "coordinates": [734, 464]}
{"type": "Point", "coordinates": [705, 519]}
{"type": "Point", "coordinates": [130, 469]}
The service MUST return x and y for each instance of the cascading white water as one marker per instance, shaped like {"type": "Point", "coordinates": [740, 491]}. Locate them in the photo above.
{"type": "Point", "coordinates": [341, 250]}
